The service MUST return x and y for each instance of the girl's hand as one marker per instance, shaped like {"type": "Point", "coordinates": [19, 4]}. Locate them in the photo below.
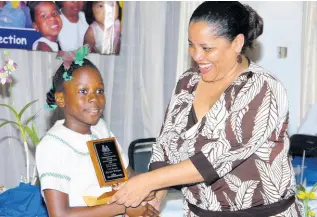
{"type": "Point", "coordinates": [145, 211]}
{"type": "Point", "coordinates": [158, 199]}
{"type": "Point", "coordinates": [133, 192]}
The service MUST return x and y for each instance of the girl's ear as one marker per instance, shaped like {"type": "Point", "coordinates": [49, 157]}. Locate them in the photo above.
{"type": "Point", "coordinates": [59, 98]}
{"type": "Point", "coordinates": [36, 27]}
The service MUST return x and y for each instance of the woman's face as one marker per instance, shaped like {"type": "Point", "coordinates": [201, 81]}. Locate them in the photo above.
{"type": "Point", "coordinates": [47, 19]}
{"type": "Point", "coordinates": [215, 56]}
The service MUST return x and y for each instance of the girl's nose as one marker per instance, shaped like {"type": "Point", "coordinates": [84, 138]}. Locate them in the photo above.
{"type": "Point", "coordinates": [92, 97]}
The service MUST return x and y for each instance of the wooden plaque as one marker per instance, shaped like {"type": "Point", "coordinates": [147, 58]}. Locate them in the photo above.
{"type": "Point", "coordinates": [107, 161]}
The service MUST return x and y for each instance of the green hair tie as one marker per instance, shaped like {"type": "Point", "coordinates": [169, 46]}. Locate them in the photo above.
{"type": "Point", "coordinates": [67, 77]}
{"type": "Point", "coordinates": [50, 107]}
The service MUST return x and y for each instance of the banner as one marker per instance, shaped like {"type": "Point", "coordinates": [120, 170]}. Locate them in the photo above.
{"type": "Point", "coordinates": [61, 25]}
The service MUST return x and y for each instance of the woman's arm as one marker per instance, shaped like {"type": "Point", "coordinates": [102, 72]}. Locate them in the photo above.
{"type": "Point", "coordinates": [133, 192]}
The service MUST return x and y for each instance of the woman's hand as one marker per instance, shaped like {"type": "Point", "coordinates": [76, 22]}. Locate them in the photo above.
{"type": "Point", "coordinates": [147, 210]}
{"type": "Point", "coordinates": [133, 192]}
{"type": "Point", "coordinates": [158, 199]}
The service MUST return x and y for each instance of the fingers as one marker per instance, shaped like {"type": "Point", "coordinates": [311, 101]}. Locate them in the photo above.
{"type": "Point", "coordinates": [117, 186]}
{"type": "Point", "coordinates": [151, 196]}
{"type": "Point", "coordinates": [153, 210]}
{"type": "Point", "coordinates": [144, 203]}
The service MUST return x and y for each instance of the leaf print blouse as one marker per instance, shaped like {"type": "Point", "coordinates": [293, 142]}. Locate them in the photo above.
{"type": "Point", "coordinates": [240, 147]}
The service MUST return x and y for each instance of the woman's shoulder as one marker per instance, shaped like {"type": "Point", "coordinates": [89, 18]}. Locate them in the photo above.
{"type": "Point", "coordinates": [262, 73]}
{"type": "Point", "coordinates": [188, 79]}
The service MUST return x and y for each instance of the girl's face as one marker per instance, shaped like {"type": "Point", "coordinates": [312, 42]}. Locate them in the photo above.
{"type": "Point", "coordinates": [47, 19]}
{"type": "Point", "coordinates": [83, 99]}
{"type": "Point", "coordinates": [215, 56]}
{"type": "Point", "coordinates": [100, 9]}
{"type": "Point", "coordinates": [72, 8]}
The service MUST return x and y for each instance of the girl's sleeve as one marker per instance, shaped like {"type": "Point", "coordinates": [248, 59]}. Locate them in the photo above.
{"type": "Point", "coordinates": [53, 166]}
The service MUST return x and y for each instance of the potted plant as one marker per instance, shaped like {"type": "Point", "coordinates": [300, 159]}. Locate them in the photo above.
{"type": "Point", "coordinates": [25, 199]}
{"type": "Point", "coordinates": [25, 126]}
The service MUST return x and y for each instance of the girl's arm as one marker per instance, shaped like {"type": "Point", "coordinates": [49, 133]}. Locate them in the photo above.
{"type": "Point", "coordinates": [57, 205]}
{"type": "Point", "coordinates": [90, 39]}
{"type": "Point", "coordinates": [43, 47]}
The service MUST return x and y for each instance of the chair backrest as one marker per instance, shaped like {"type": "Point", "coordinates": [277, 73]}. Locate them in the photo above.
{"type": "Point", "coordinates": [140, 152]}
{"type": "Point", "coordinates": [300, 142]}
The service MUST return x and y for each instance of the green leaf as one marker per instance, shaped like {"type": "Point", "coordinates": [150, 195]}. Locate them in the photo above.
{"type": "Point", "coordinates": [300, 188]}
{"type": "Point", "coordinates": [25, 107]}
{"type": "Point", "coordinates": [8, 122]}
{"type": "Point", "coordinates": [31, 118]}
{"type": "Point", "coordinates": [314, 187]}
{"type": "Point", "coordinates": [12, 109]}
{"type": "Point", "coordinates": [33, 135]}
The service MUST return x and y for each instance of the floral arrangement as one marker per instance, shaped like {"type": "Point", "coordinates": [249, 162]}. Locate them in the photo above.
{"type": "Point", "coordinates": [305, 194]}
{"type": "Point", "coordinates": [6, 71]}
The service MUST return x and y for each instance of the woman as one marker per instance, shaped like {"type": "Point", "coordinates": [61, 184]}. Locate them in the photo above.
{"type": "Point", "coordinates": [224, 135]}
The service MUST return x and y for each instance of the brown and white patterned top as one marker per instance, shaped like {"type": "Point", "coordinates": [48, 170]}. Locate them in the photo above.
{"type": "Point", "coordinates": [240, 146]}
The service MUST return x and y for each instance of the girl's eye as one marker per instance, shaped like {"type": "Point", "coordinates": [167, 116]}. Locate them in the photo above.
{"type": "Point", "coordinates": [83, 91]}
{"type": "Point", "coordinates": [100, 91]}
{"type": "Point", "coordinates": [100, 6]}
{"type": "Point", "coordinates": [55, 13]}
{"type": "Point", "coordinates": [43, 16]}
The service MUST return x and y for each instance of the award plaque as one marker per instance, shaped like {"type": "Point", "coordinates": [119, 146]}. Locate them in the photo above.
{"type": "Point", "coordinates": [107, 161]}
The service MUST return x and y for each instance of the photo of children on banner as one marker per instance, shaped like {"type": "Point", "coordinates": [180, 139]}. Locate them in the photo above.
{"type": "Point", "coordinates": [104, 32]}
{"type": "Point", "coordinates": [61, 25]}
{"type": "Point", "coordinates": [46, 20]}
{"type": "Point", "coordinates": [75, 25]}
{"type": "Point", "coordinates": [15, 14]}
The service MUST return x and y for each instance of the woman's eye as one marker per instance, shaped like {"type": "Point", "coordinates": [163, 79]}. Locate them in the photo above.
{"type": "Point", "coordinates": [207, 49]}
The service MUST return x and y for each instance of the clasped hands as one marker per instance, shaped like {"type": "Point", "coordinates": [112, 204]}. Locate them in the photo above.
{"type": "Point", "coordinates": [135, 191]}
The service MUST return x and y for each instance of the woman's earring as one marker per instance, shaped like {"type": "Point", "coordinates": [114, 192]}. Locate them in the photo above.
{"type": "Point", "coordinates": [239, 59]}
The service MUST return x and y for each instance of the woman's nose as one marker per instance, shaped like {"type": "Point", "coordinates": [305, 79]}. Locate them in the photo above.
{"type": "Point", "coordinates": [197, 55]}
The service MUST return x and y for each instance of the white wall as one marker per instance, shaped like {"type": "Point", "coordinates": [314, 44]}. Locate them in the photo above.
{"type": "Point", "coordinates": [282, 28]}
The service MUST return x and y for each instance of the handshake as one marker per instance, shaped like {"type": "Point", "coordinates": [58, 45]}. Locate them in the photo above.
{"type": "Point", "coordinates": [149, 206]}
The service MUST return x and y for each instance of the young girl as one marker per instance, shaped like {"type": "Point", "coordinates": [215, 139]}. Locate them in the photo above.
{"type": "Point", "coordinates": [64, 165]}
{"type": "Point", "coordinates": [103, 35]}
{"type": "Point", "coordinates": [46, 20]}
{"type": "Point", "coordinates": [75, 25]}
